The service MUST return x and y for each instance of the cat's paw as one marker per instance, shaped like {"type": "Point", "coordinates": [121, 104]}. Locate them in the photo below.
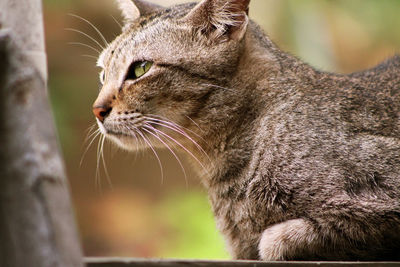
{"type": "Point", "coordinates": [286, 240]}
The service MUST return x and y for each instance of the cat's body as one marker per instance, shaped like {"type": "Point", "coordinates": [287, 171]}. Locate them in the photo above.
{"type": "Point", "coordinates": [300, 164]}
{"type": "Point", "coordinates": [323, 154]}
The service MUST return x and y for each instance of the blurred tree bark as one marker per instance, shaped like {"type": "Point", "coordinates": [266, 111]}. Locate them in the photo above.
{"type": "Point", "coordinates": [37, 227]}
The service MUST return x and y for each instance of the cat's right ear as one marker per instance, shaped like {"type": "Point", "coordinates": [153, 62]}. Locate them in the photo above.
{"type": "Point", "coordinates": [220, 18]}
{"type": "Point", "coordinates": [133, 9]}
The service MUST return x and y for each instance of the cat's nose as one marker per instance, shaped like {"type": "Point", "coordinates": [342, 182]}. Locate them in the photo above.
{"type": "Point", "coordinates": [101, 112]}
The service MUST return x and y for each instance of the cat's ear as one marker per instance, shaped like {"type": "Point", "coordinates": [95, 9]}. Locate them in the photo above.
{"type": "Point", "coordinates": [133, 9]}
{"type": "Point", "coordinates": [216, 18]}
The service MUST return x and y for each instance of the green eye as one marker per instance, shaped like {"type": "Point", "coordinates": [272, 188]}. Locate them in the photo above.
{"type": "Point", "coordinates": [138, 69]}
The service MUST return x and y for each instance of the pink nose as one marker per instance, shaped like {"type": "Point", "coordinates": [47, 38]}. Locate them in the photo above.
{"type": "Point", "coordinates": [101, 112]}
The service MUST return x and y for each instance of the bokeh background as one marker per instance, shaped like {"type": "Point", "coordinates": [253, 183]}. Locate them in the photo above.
{"type": "Point", "coordinates": [137, 215]}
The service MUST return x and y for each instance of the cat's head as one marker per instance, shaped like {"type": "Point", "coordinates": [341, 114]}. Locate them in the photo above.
{"type": "Point", "coordinates": [165, 74]}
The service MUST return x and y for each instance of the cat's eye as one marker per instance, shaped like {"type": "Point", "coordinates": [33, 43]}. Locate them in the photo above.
{"type": "Point", "coordinates": [102, 76]}
{"type": "Point", "coordinates": [138, 69]}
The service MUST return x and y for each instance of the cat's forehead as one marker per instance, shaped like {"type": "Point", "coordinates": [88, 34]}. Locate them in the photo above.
{"type": "Point", "coordinates": [174, 12]}
{"type": "Point", "coordinates": [144, 30]}
{"type": "Point", "coordinates": [143, 44]}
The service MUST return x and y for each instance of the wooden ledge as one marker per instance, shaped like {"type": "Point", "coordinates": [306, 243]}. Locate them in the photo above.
{"type": "Point", "coordinates": [128, 262]}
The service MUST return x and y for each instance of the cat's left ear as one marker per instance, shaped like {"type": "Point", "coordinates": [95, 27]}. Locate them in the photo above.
{"type": "Point", "coordinates": [133, 9]}
{"type": "Point", "coordinates": [217, 18]}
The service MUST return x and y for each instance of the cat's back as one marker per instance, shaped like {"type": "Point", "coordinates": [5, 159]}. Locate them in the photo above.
{"type": "Point", "coordinates": [344, 128]}
{"type": "Point", "coordinates": [371, 100]}
{"type": "Point", "coordinates": [361, 103]}
{"type": "Point", "coordinates": [386, 73]}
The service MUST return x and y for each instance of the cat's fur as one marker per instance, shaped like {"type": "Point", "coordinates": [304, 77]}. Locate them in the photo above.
{"type": "Point", "coordinates": [301, 164]}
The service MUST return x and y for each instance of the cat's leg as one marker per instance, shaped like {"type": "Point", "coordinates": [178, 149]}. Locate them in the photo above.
{"type": "Point", "coordinates": [288, 240]}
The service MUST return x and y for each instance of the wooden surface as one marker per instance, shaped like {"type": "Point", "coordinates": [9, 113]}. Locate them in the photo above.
{"type": "Point", "coordinates": [124, 262]}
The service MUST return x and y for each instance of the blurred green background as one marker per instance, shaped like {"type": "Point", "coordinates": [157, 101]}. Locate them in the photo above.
{"type": "Point", "coordinates": [138, 216]}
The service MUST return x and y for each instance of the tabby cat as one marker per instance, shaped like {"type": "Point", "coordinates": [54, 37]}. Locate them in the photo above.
{"type": "Point", "coordinates": [299, 164]}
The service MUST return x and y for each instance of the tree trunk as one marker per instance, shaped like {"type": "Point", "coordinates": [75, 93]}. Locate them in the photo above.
{"type": "Point", "coordinates": [36, 223]}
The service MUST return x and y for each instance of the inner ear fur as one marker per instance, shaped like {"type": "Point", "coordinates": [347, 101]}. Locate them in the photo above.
{"type": "Point", "coordinates": [133, 9]}
{"type": "Point", "coordinates": [216, 18]}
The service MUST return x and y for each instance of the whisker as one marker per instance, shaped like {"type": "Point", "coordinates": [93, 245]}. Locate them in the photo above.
{"type": "Point", "coordinates": [171, 125]}
{"type": "Point", "coordinates": [86, 35]}
{"type": "Point", "coordinates": [142, 143]}
{"type": "Point", "coordinates": [195, 123]}
{"type": "Point", "coordinates": [104, 163]}
{"type": "Point", "coordinates": [116, 21]}
{"type": "Point", "coordinates": [168, 147]}
{"type": "Point", "coordinates": [98, 180]}
{"type": "Point", "coordinates": [94, 27]}
{"type": "Point", "coordinates": [155, 153]}
{"type": "Point", "coordinates": [183, 133]}
{"type": "Point", "coordinates": [217, 86]}
{"type": "Point", "coordinates": [89, 56]}
{"type": "Point", "coordinates": [174, 124]}
{"type": "Point", "coordinates": [182, 146]}
{"type": "Point", "coordinates": [95, 135]}
{"type": "Point", "coordinates": [85, 45]}
{"type": "Point", "coordinates": [95, 132]}
{"type": "Point", "coordinates": [138, 139]}
{"type": "Point", "coordinates": [136, 144]}
{"type": "Point", "coordinates": [90, 131]}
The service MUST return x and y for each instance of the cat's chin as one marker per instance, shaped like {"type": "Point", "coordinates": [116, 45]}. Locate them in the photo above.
{"type": "Point", "coordinates": [126, 142]}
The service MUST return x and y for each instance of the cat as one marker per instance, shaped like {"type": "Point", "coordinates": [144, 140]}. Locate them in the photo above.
{"type": "Point", "coordinates": [299, 164]}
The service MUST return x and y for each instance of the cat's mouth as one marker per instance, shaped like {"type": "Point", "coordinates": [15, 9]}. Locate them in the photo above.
{"type": "Point", "coordinates": [122, 127]}
{"type": "Point", "coordinates": [151, 131]}
{"type": "Point", "coordinates": [136, 135]}
{"type": "Point", "coordinates": [119, 134]}
{"type": "Point", "coordinates": [102, 129]}
{"type": "Point", "coordinates": [147, 131]}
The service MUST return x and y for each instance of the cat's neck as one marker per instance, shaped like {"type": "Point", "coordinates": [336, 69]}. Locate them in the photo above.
{"type": "Point", "coordinates": [270, 66]}
{"type": "Point", "coordinates": [264, 74]}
